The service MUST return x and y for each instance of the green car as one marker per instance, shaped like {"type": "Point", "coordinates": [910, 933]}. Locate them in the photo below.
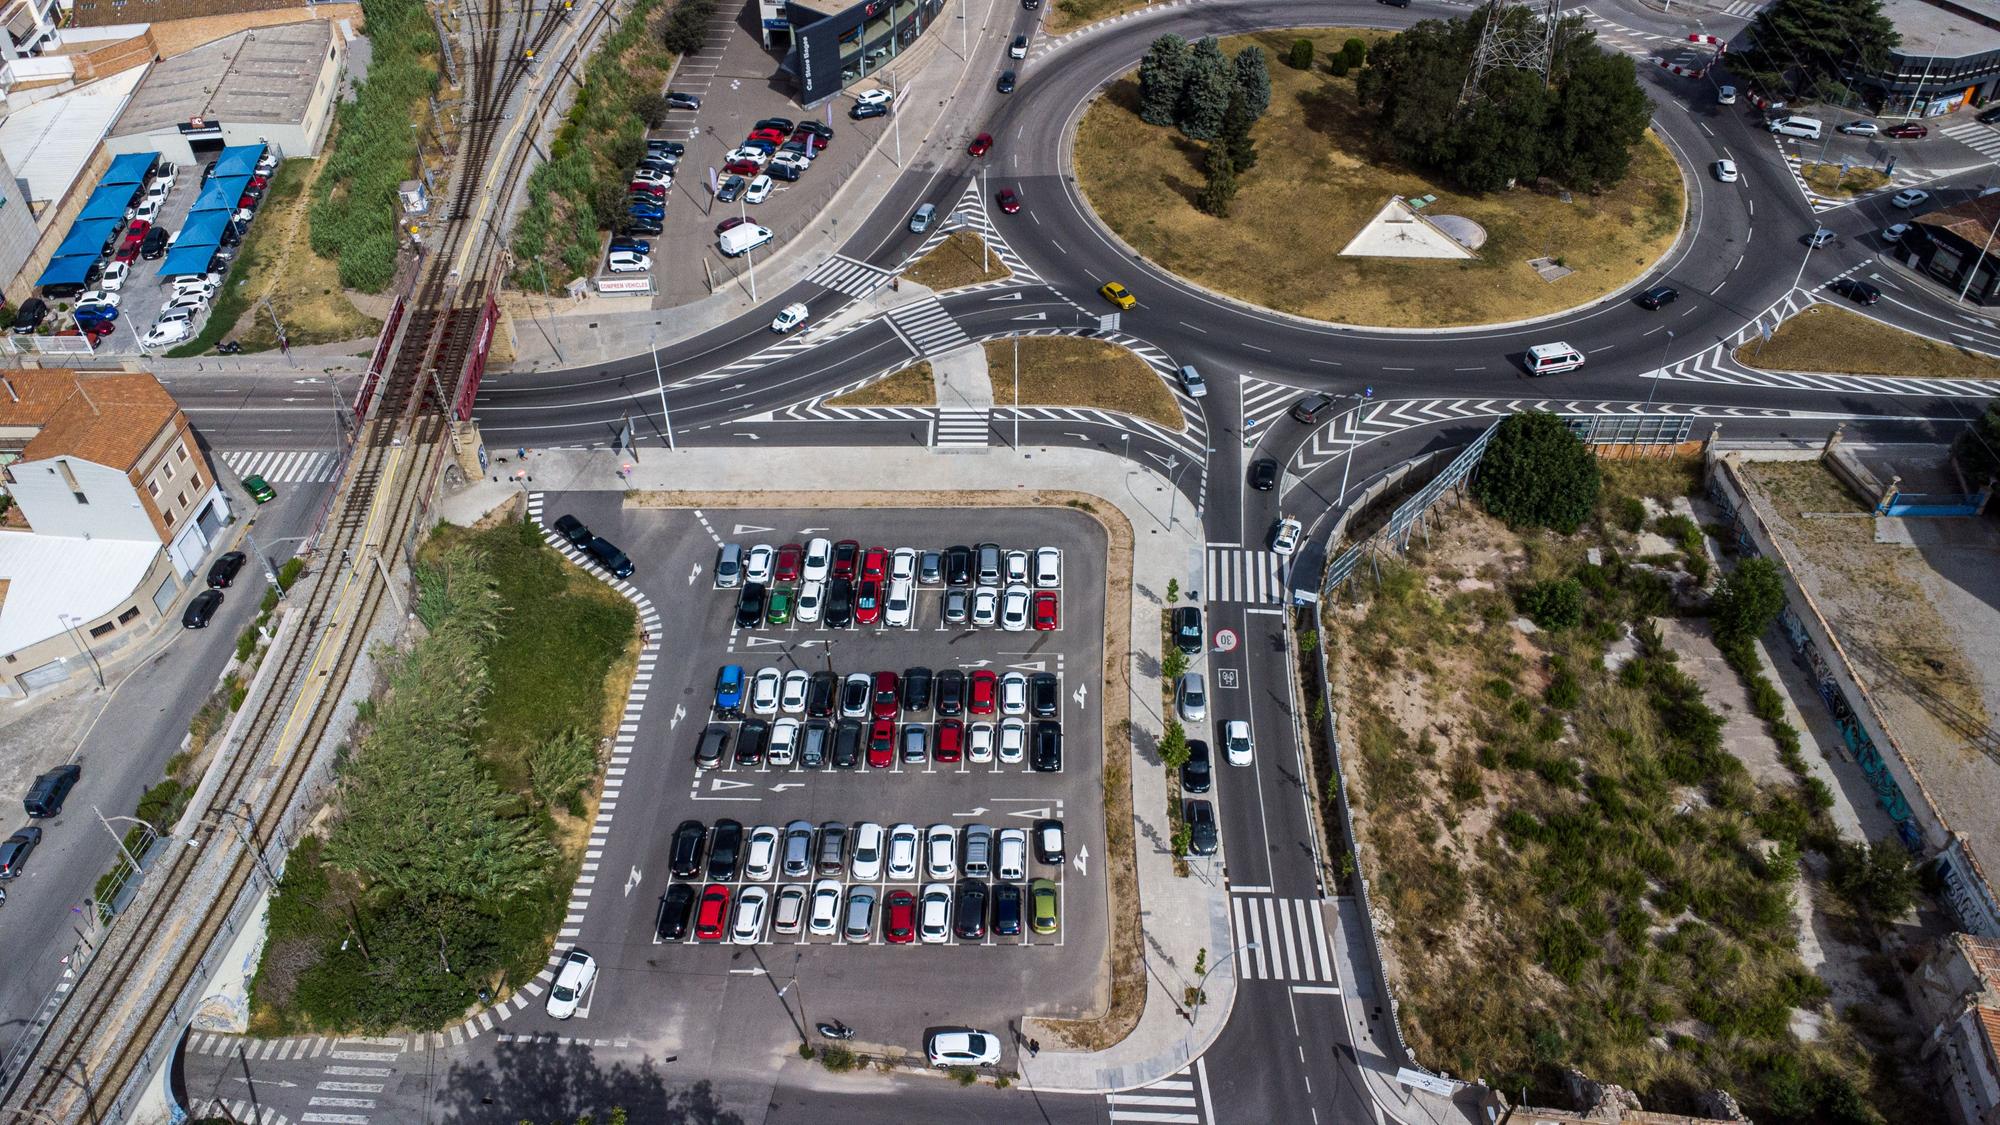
{"type": "Point", "coordinates": [259, 489]}
{"type": "Point", "coordinates": [780, 609]}
{"type": "Point", "coordinates": [1042, 897]}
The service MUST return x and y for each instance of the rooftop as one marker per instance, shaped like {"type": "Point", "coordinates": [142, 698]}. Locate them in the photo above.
{"type": "Point", "coordinates": [48, 143]}
{"type": "Point", "coordinates": [1928, 29]}
{"type": "Point", "coordinates": [1971, 220]}
{"type": "Point", "coordinates": [264, 74]}
{"type": "Point", "coordinates": [106, 418]}
{"type": "Point", "coordinates": [45, 579]}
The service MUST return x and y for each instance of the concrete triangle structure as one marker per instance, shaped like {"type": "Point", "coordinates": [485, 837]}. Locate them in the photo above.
{"type": "Point", "coordinates": [1400, 231]}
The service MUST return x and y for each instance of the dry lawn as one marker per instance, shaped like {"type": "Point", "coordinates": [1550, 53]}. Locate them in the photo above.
{"type": "Point", "coordinates": [961, 259]}
{"type": "Point", "coordinates": [1318, 180]}
{"type": "Point", "coordinates": [1068, 15]}
{"type": "Point", "coordinates": [1066, 371]}
{"type": "Point", "coordinates": [302, 287]}
{"type": "Point", "coordinates": [912, 386]}
{"type": "Point", "coordinates": [1828, 338]}
{"type": "Point", "coordinates": [1827, 180]}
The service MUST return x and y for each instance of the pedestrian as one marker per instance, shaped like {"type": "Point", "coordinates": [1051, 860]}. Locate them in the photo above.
{"type": "Point", "coordinates": [1034, 1047]}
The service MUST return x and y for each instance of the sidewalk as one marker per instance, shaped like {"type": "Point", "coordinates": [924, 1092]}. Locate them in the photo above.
{"type": "Point", "coordinates": [1181, 917]}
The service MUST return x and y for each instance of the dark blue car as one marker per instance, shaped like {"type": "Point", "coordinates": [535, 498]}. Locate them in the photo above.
{"type": "Point", "coordinates": [729, 690]}
{"type": "Point", "coordinates": [645, 210]}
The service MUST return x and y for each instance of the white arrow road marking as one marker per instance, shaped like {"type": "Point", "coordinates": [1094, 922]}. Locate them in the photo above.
{"type": "Point", "coordinates": [1034, 316]}
{"type": "Point", "coordinates": [784, 785]}
{"type": "Point", "coordinates": [758, 642]}
{"type": "Point", "coordinates": [978, 663]}
{"type": "Point", "coordinates": [978, 811]}
{"type": "Point", "coordinates": [1007, 297]}
{"type": "Point", "coordinates": [1082, 691]}
{"type": "Point", "coordinates": [680, 712]}
{"type": "Point", "coordinates": [1082, 854]}
{"type": "Point", "coordinates": [632, 881]}
{"type": "Point", "coordinates": [810, 530]}
{"type": "Point", "coordinates": [1031, 666]}
{"type": "Point", "coordinates": [1033, 814]}
{"type": "Point", "coordinates": [756, 972]}
{"type": "Point", "coordinates": [262, 1081]}
{"type": "Point", "coordinates": [751, 529]}
{"type": "Point", "coordinates": [694, 574]}
{"type": "Point", "coordinates": [719, 784]}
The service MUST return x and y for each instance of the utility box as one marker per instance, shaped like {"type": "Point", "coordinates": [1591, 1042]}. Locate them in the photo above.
{"type": "Point", "coordinates": [416, 200]}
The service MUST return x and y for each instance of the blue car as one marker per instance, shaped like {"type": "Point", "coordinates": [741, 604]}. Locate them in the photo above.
{"type": "Point", "coordinates": [96, 312]}
{"type": "Point", "coordinates": [646, 210]}
{"type": "Point", "coordinates": [635, 245]}
{"type": "Point", "coordinates": [729, 690]}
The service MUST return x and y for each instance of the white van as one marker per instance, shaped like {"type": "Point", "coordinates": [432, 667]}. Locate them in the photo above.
{"type": "Point", "coordinates": [1807, 127]}
{"type": "Point", "coordinates": [1547, 359]}
{"type": "Point", "coordinates": [739, 240]}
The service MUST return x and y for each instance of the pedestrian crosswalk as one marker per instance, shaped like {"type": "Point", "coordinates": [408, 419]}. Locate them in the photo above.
{"type": "Point", "coordinates": [1234, 574]}
{"type": "Point", "coordinates": [245, 1111]}
{"type": "Point", "coordinates": [1982, 139]}
{"type": "Point", "coordinates": [962, 427]}
{"type": "Point", "coordinates": [1281, 939]}
{"type": "Point", "coordinates": [283, 466]}
{"type": "Point", "coordinates": [856, 279]}
{"type": "Point", "coordinates": [356, 1071]}
{"type": "Point", "coordinates": [1743, 9]}
{"type": "Point", "coordinates": [1176, 1098]}
{"type": "Point", "coordinates": [927, 328]}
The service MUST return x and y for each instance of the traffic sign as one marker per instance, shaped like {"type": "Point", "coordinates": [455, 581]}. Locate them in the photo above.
{"type": "Point", "coordinates": [1225, 640]}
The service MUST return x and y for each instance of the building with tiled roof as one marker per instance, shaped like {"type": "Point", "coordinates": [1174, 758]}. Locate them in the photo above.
{"type": "Point", "coordinates": [110, 508]}
{"type": "Point", "coordinates": [1957, 243]}
{"type": "Point", "coordinates": [1957, 992]}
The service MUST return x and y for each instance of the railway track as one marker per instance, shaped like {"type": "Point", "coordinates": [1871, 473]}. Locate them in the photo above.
{"type": "Point", "coordinates": [133, 989]}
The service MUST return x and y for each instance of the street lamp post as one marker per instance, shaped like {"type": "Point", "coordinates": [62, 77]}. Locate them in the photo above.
{"type": "Point", "coordinates": [106, 822]}
{"type": "Point", "coordinates": [69, 622]}
{"type": "Point", "coordinates": [1200, 995]}
{"type": "Point", "coordinates": [660, 380]}
{"type": "Point", "coordinates": [1664, 345]}
{"type": "Point", "coordinates": [1347, 465]}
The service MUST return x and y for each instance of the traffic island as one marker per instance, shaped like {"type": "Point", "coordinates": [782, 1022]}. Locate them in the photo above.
{"type": "Point", "coordinates": [912, 386]}
{"type": "Point", "coordinates": [961, 259]}
{"type": "Point", "coordinates": [1826, 339]}
{"type": "Point", "coordinates": [1319, 179]}
{"type": "Point", "coordinates": [1066, 371]}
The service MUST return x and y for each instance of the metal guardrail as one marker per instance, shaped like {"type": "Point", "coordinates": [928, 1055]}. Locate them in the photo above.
{"type": "Point", "coordinates": [1408, 515]}
{"type": "Point", "coordinates": [1630, 429]}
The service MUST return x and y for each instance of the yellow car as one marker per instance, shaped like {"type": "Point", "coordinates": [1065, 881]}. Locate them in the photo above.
{"type": "Point", "coordinates": [1118, 295]}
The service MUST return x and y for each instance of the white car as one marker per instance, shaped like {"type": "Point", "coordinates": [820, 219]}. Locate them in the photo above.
{"type": "Point", "coordinates": [755, 156]}
{"type": "Point", "coordinates": [941, 852]}
{"type": "Point", "coordinates": [790, 317]}
{"type": "Point", "coordinates": [765, 688]}
{"type": "Point", "coordinates": [1013, 741]}
{"type": "Point", "coordinates": [1014, 609]}
{"type": "Point", "coordinates": [1895, 232]}
{"type": "Point", "coordinates": [965, 1046]}
{"type": "Point", "coordinates": [1909, 197]}
{"type": "Point", "coordinates": [99, 297]}
{"type": "Point", "coordinates": [876, 96]}
{"type": "Point", "coordinates": [797, 161]}
{"type": "Point", "coordinates": [855, 703]}
{"type": "Point", "coordinates": [903, 842]}
{"type": "Point", "coordinates": [898, 607]}
{"type": "Point", "coordinates": [985, 606]}
{"type": "Point", "coordinates": [1820, 237]}
{"type": "Point", "coordinates": [758, 563]}
{"type": "Point", "coordinates": [753, 907]}
{"type": "Point", "coordinates": [1725, 171]}
{"type": "Point", "coordinates": [649, 176]}
{"type": "Point", "coordinates": [1859, 128]}
{"type": "Point", "coordinates": [867, 858]}
{"type": "Point", "coordinates": [934, 914]}
{"type": "Point", "coordinates": [627, 261]}
{"type": "Point", "coordinates": [173, 313]}
{"type": "Point", "coordinates": [1013, 855]}
{"type": "Point", "coordinates": [979, 743]}
{"type": "Point", "coordinates": [149, 210]}
{"type": "Point", "coordinates": [1285, 536]}
{"type": "Point", "coordinates": [903, 564]}
{"type": "Point", "coordinates": [759, 190]}
{"type": "Point", "coordinates": [784, 742]}
{"type": "Point", "coordinates": [114, 276]}
{"type": "Point", "coordinates": [760, 859]}
{"type": "Point", "coordinates": [169, 332]}
{"type": "Point", "coordinates": [193, 302]}
{"type": "Point", "coordinates": [1014, 693]}
{"type": "Point", "coordinates": [1016, 563]}
{"type": "Point", "coordinates": [812, 595]}
{"type": "Point", "coordinates": [573, 980]}
{"type": "Point", "coordinates": [823, 918]}
{"type": "Point", "coordinates": [1191, 696]}
{"type": "Point", "coordinates": [818, 563]}
{"type": "Point", "coordinates": [1236, 742]}
{"type": "Point", "coordinates": [792, 698]}
{"type": "Point", "coordinates": [1048, 568]}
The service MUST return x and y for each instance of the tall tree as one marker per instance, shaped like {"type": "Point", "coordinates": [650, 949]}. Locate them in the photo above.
{"type": "Point", "coordinates": [1234, 138]}
{"type": "Point", "coordinates": [1537, 473]}
{"type": "Point", "coordinates": [1253, 80]}
{"type": "Point", "coordinates": [1163, 76]}
{"type": "Point", "coordinates": [1220, 190]}
{"type": "Point", "coordinates": [1809, 46]}
{"type": "Point", "coordinates": [1206, 97]}
{"type": "Point", "coordinates": [1599, 114]}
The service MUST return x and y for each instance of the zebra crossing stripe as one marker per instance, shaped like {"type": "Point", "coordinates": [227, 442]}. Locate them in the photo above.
{"type": "Point", "coordinates": [1171, 1099]}
{"type": "Point", "coordinates": [1290, 937]}
{"type": "Point", "coordinates": [1236, 574]}
{"type": "Point", "coordinates": [927, 328]}
{"type": "Point", "coordinates": [1979, 138]}
{"type": "Point", "coordinates": [963, 427]}
{"type": "Point", "coordinates": [845, 275]}
{"type": "Point", "coordinates": [283, 466]}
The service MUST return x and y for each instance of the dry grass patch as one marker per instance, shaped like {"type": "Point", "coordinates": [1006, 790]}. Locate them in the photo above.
{"type": "Point", "coordinates": [1066, 371]}
{"type": "Point", "coordinates": [1831, 339]}
{"type": "Point", "coordinates": [1319, 178]}
{"type": "Point", "coordinates": [1068, 15]}
{"type": "Point", "coordinates": [1827, 180]}
{"type": "Point", "coordinates": [912, 386]}
{"type": "Point", "coordinates": [961, 259]}
{"type": "Point", "coordinates": [303, 288]}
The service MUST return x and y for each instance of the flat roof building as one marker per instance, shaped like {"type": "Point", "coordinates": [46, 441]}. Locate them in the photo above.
{"type": "Point", "coordinates": [271, 84]}
{"type": "Point", "coordinates": [1949, 57]}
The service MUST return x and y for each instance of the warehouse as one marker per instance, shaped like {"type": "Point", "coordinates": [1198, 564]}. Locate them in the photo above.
{"type": "Point", "coordinates": [271, 85]}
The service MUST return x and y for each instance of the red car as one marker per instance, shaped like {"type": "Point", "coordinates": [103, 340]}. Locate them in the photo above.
{"type": "Point", "coordinates": [882, 744]}
{"type": "Point", "coordinates": [248, 202]}
{"type": "Point", "coordinates": [1009, 201]}
{"type": "Point", "coordinates": [730, 222]}
{"type": "Point", "coordinates": [814, 143]}
{"type": "Point", "coordinates": [867, 601]}
{"type": "Point", "coordinates": [985, 685]}
{"type": "Point", "coordinates": [641, 187]}
{"type": "Point", "coordinates": [129, 249]}
{"type": "Point", "coordinates": [950, 738]}
{"type": "Point", "coordinates": [743, 167]}
{"type": "Point", "coordinates": [1047, 615]}
{"type": "Point", "coordinates": [887, 702]}
{"type": "Point", "coordinates": [713, 918]}
{"type": "Point", "coordinates": [790, 557]}
{"type": "Point", "coordinates": [899, 918]}
{"type": "Point", "coordinates": [875, 564]}
{"type": "Point", "coordinates": [768, 136]}
{"type": "Point", "coordinates": [981, 144]}
{"type": "Point", "coordinates": [844, 554]}
{"type": "Point", "coordinates": [1908, 131]}
{"type": "Point", "coordinates": [258, 182]}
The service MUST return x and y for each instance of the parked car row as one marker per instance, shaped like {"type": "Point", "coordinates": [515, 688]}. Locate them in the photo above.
{"type": "Point", "coordinates": [971, 912]}
{"type": "Point", "coordinates": [843, 744]}
{"type": "Point", "coordinates": [773, 692]}
{"type": "Point", "coordinates": [596, 547]}
{"type": "Point", "coordinates": [645, 206]}
{"type": "Point", "coordinates": [842, 603]}
{"type": "Point", "coordinates": [987, 564]}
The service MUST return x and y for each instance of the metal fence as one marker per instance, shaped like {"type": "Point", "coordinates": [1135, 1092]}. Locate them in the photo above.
{"type": "Point", "coordinates": [1408, 516]}
{"type": "Point", "coordinates": [1630, 429]}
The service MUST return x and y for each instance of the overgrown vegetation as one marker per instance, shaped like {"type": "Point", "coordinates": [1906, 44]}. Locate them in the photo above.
{"type": "Point", "coordinates": [440, 879]}
{"type": "Point", "coordinates": [1977, 450]}
{"type": "Point", "coordinates": [580, 189]}
{"type": "Point", "coordinates": [1808, 47]}
{"type": "Point", "coordinates": [1536, 473]}
{"type": "Point", "coordinates": [355, 210]}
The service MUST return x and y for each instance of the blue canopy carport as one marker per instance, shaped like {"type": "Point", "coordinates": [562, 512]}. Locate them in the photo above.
{"type": "Point", "coordinates": [221, 194]}
{"type": "Point", "coordinates": [68, 271]}
{"type": "Point", "coordinates": [238, 160]}
{"type": "Point", "coordinates": [187, 259]}
{"type": "Point", "coordinates": [131, 168]}
{"type": "Point", "coordinates": [109, 202]}
{"type": "Point", "coordinates": [86, 238]}
{"type": "Point", "coordinates": [203, 228]}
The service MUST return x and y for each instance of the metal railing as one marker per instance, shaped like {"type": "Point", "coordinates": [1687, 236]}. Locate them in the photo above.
{"type": "Point", "coordinates": [1408, 516]}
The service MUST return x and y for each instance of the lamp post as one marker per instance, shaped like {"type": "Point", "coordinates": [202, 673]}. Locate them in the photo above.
{"type": "Point", "coordinates": [660, 380]}
{"type": "Point", "coordinates": [82, 646]}
{"type": "Point", "coordinates": [1199, 995]}
{"type": "Point", "coordinates": [106, 821]}
{"type": "Point", "coordinates": [1664, 345]}
{"type": "Point", "coordinates": [1347, 466]}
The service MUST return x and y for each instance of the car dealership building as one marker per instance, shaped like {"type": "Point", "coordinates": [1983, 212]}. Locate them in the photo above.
{"type": "Point", "coordinates": [836, 43]}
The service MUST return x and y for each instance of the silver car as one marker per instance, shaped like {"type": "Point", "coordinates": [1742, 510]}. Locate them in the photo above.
{"type": "Point", "coordinates": [860, 925]}
{"type": "Point", "coordinates": [1192, 697]}
{"type": "Point", "coordinates": [978, 851]}
{"type": "Point", "coordinates": [798, 849]}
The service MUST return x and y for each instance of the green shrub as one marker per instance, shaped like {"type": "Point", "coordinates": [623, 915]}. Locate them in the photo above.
{"type": "Point", "coordinates": [1354, 52]}
{"type": "Point", "coordinates": [1875, 879]}
{"type": "Point", "coordinates": [560, 767]}
{"type": "Point", "coordinates": [1536, 473]}
{"type": "Point", "coordinates": [1556, 604]}
{"type": "Point", "coordinates": [1747, 601]}
{"type": "Point", "coordinates": [1629, 513]}
{"type": "Point", "coordinates": [964, 1075]}
{"type": "Point", "coordinates": [1173, 664]}
{"type": "Point", "coordinates": [1565, 691]}
{"type": "Point", "coordinates": [838, 1059]}
{"type": "Point", "coordinates": [1301, 56]}
{"type": "Point", "coordinates": [247, 643]}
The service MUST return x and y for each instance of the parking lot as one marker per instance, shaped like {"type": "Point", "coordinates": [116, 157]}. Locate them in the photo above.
{"type": "Point", "coordinates": [898, 767]}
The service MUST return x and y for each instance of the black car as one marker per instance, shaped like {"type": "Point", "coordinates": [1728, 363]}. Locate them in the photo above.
{"type": "Point", "coordinates": [1048, 836]}
{"type": "Point", "coordinates": [634, 224]}
{"type": "Point", "coordinates": [724, 850]}
{"type": "Point", "coordinates": [950, 693]}
{"type": "Point", "coordinates": [1187, 629]}
{"type": "Point", "coordinates": [958, 566]}
{"type": "Point", "coordinates": [674, 149]}
{"type": "Point", "coordinates": [155, 245]}
{"type": "Point", "coordinates": [14, 851]}
{"type": "Point", "coordinates": [679, 100]}
{"type": "Point", "coordinates": [676, 908]}
{"type": "Point", "coordinates": [786, 172]}
{"type": "Point", "coordinates": [839, 604]}
{"type": "Point", "coordinates": [687, 849]}
{"type": "Point", "coordinates": [861, 111]}
{"type": "Point", "coordinates": [1989, 116]}
{"type": "Point", "coordinates": [29, 316]}
{"type": "Point", "coordinates": [751, 741]}
{"type": "Point", "coordinates": [1042, 697]}
{"type": "Point", "coordinates": [1200, 817]}
{"type": "Point", "coordinates": [847, 744]}
{"type": "Point", "coordinates": [201, 609]}
{"type": "Point", "coordinates": [818, 129]}
{"type": "Point", "coordinates": [223, 570]}
{"type": "Point", "coordinates": [1311, 408]}
{"type": "Point", "coordinates": [750, 606]}
{"type": "Point", "coordinates": [820, 693]}
{"type": "Point", "coordinates": [916, 689]}
{"type": "Point", "coordinates": [732, 186]}
{"type": "Point", "coordinates": [1007, 909]}
{"type": "Point", "coordinates": [1860, 292]}
{"type": "Point", "coordinates": [1264, 474]}
{"type": "Point", "coordinates": [1657, 296]}
{"type": "Point", "coordinates": [1006, 81]}
{"type": "Point", "coordinates": [609, 556]}
{"type": "Point", "coordinates": [572, 529]}
{"type": "Point", "coordinates": [781, 124]}
{"type": "Point", "coordinates": [1196, 772]}
{"type": "Point", "coordinates": [46, 796]}
{"type": "Point", "coordinates": [1046, 756]}
{"type": "Point", "coordinates": [970, 913]}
